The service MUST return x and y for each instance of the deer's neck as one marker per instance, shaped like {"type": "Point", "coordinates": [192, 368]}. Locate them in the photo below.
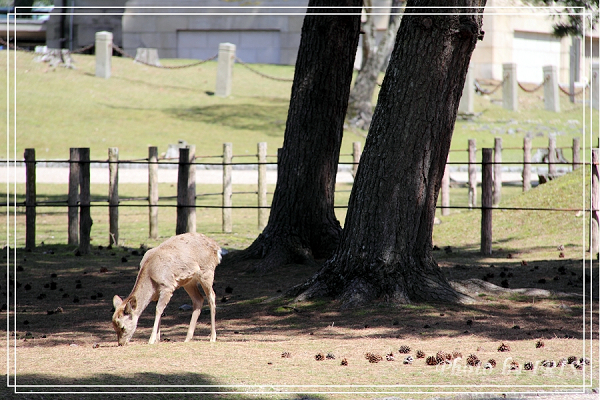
{"type": "Point", "coordinates": [143, 290]}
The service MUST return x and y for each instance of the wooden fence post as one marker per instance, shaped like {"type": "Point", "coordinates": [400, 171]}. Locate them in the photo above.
{"type": "Point", "coordinates": [446, 190]}
{"type": "Point", "coordinates": [526, 164]}
{"type": "Point", "coordinates": [497, 170]}
{"type": "Point", "coordinates": [595, 220]}
{"type": "Point", "coordinates": [551, 158]}
{"type": "Point", "coordinates": [227, 187]}
{"type": "Point", "coordinates": [356, 153]}
{"type": "Point", "coordinates": [113, 195]}
{"type": "Point", "coordinates": [85, 217]}
{"type": "Point", "coordinates": [153, 191]}
{"type": "Point", "coordinates": [472, 174]}
{"type": "Point", "coordinates": [486, 201]}
{"type": "Point", "coordinates": [30, 199]}
{"type": "Point", "coordinates": [73, 197]}
{"type": "Point", "coordinates": [263, 214]}
{"type": "Point", "coordinates": [576, 153]}
{"type": "Point", "coordinates": [186, 191]}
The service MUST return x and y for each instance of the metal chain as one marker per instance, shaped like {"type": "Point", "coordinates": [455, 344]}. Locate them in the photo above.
{"type": "Point", "coordinates": [122, 52]}
{"type": "Point", "coordinates": [12, 46]}
{"type": "Point", "coordinates": [261, 74]}
{"type": "Point", "coordinates": [576, 93]}
{"type": "Point", "coordinates": [82, 49]}
{"type": "Point", "coordinates": [481, 90]}
{"type": "Point", "coordinates": [546, 79]}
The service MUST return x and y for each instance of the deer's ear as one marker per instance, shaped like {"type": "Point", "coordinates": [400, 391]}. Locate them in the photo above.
{"type": "Point", "coordinates": [117, 301]}
{"type": "Point", "coordinates": [131, 305]}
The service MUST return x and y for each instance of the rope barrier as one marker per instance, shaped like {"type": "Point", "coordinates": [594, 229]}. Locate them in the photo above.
{"type": "Point", "coordinates": [262, 74]}
{"type": "Point", "coordinates": [576, 93]}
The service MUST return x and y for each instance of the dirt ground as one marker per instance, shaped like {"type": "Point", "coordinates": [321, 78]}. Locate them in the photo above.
{"type": "Point", "coordinates": [64, 303]}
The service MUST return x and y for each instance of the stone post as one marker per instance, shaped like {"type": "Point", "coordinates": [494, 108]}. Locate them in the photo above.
{"type": "Point", "coordinates": [466, 100]}
{"type": "Point", "coordinates": [551, 99]}
{"type": "Point", "coordinates": [103, 54]}
{"type": "Point", "coordinates": [225, 69]}
{"type": "Point", "coordinates": [510, 99]}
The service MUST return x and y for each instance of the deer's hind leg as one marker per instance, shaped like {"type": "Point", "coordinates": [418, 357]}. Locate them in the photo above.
{"type": "Point", "coordinates": [207, 285]}
{"type": "Point", "coordinates": [197, 302]}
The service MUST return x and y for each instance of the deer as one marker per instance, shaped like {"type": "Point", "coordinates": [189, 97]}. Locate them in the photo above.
{"type": "Point", "coordinates": [186, 260]}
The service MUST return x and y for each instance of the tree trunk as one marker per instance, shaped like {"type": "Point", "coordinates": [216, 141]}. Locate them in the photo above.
{"type": "Point", "coordinates": [386, 248]}
{"type": "Point", "coordinates": [302, 225]}
{"type": "Point", "coordinates": [360, 107]}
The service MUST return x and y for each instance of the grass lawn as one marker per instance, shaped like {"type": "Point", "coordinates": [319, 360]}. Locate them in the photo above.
{"type": "Point", "coordinates": [60, 319]}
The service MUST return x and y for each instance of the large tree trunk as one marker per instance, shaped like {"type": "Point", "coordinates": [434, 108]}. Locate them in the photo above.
{"type": "Point", "coordinates": [360, 107]}
{"type": "Point", "coordinates": [302, 225]}
{"type": "Point", "coordinates": [386, 247]}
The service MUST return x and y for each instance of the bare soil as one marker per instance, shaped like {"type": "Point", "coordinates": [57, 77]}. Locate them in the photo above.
{"type": "Point", "coordinates": [62, 334]}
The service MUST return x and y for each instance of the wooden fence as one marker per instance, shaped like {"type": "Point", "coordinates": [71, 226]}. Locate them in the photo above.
{"type": "Point", "coordinates": [78, 203]}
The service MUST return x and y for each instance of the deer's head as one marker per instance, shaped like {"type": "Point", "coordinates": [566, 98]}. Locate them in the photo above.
{"type": "Point", "coordinates": [124, 319]}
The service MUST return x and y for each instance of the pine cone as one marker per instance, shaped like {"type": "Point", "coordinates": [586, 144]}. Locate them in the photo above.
{"type": "Point", "coordinates": [373, 358]}
{"type": "Point", "coordinates": [528, 366]}
{"type": "Point", "coordinates": [562, 362]}
{"type": "Point", "coordinates": [320, 357]}
{"type": "Point", "coordinates": [390, 357]}
{"type": "Point", "coordinates": [420, 354]}
{"type": "Point", "coordinates": [585, 361]}
{"type": "Point", "coordinates": [408, 360]}
{"type": "Point", "coordinates": [548, 363]}
{"type": "Point", "coordinates": [286, 354]}
{"type": "Point", "coordinates": [344, 362]}
{"type": "Point", "coordinates": [456, 354]}
{"type": "Point", "coordinates": [404, 350]}
{"type": "Point", "coordinates": [431, 360]}
{"type": "Point", "coordinates": [539, 344]}
{"type": "Point", "coordinates": [514, 366]}
{"type": "Point", "coordinates": [473, 360]}
{"type": "Point", "coordinates": [330, 356]}
{"type": "Point", "coordinates": [492, 362]}
{"type": "Point", "coordinates": [504, 347]}
{"type": "Point", "coordinates": [578, 365]}
{"type": "Point", "coordinates": [571, 359]}
{"type": "Point", "coordinates": [442, 356]}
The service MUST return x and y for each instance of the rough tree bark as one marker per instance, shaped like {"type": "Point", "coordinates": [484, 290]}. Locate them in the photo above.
{"type": "Point", "coordinates": [302, 225]}
{"type": "Point", "coordinates": [386, 247]}
{"type": "Point", "coordinates": [360, 107]}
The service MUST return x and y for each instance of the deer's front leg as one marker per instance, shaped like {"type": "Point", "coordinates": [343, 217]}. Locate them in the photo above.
{"type": "Point", "coordinates": [163, 300]}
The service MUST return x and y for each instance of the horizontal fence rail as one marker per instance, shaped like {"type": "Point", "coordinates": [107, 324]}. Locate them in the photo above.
{"type": "Point", "coordinates": [78, 200]}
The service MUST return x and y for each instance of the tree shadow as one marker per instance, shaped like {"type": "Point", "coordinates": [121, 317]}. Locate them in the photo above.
{"type": "Point", "coordinates": [145, 385]}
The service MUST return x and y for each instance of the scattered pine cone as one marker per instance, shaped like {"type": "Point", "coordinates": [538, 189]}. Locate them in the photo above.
{"type": "Point", "coordinates": [330, 356]}
{"type": "Point", "coordinates": [492, 362]}
{"type": "Point", "coordinates": [571, 359]}
{"type": "Point", "coordinates": [539, 344]}
{"type": "Point", "coordinates": [373, 358]}
{"type": "Point", "coordinates": [442, 356]}
{"type": "Point", "coordinates": [504, 347]}
{"type": "Point", "coordinates": [344, 362]}
{"type": "Point", "coordinates": [404, 349]}
{"type": "Point", "coordinates": [431, 360]}
{"type": "Point", "coordinates": [578, 365]}
{"type": "Point", "coordinates": [390, 357]}
{"type": "Point", "coordinates": [514, 366]}
{"type": "Point", "coordinates": [320, 357]}
{"type": "Point", "coordinates": [286, 354]}
{"type": "Point", "coordinates": [585, 361]}
{"type": "Point", "coordinates": [473, 360]}
{"type": "Point", "coordinates": [456, 354]}
{"type": "Point", "coordinates": [420, 354]}
{"type": "Point", "coordinates": [562, 362]}
{"type": "Point", "coordinates": [528, 366]}
{"type": "Point", "coordinates": [548, 363]}
{"type": "Point", "coordinates": [408, 360]}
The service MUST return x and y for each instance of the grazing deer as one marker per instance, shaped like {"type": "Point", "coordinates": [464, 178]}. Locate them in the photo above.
{"type": "Point", "coordinates": [184, 260]}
